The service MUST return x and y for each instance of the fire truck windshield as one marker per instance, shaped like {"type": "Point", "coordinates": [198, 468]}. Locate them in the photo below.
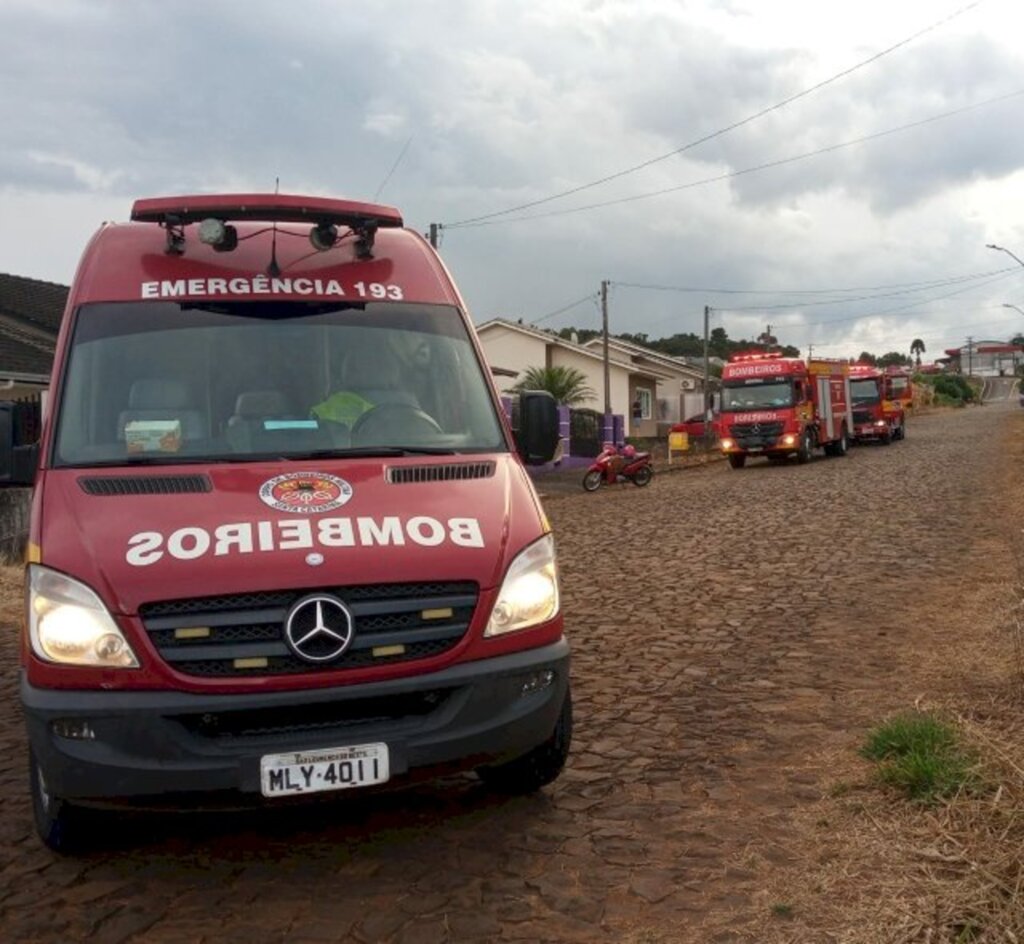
{"type": "Point", "coordinates": [865, 391]}
{"type": "Point", "coordinates": [759, 394]}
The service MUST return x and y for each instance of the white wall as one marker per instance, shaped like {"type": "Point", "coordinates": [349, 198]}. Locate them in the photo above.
{"type": "Point", "coordinates": [504, 347]}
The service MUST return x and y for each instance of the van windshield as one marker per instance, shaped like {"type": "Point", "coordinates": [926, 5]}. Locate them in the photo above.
{"type": "Point", "coordinates": [158, 382]}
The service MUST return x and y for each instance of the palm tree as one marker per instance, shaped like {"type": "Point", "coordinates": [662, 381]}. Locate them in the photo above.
{"type": "Point", "coordinates": [917, 348]}
{"type": "Point", "coordinates": [567, 385]}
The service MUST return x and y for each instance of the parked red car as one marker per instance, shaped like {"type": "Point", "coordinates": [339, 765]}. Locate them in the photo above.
{"type": "Point", "coordinates": [694, 426]}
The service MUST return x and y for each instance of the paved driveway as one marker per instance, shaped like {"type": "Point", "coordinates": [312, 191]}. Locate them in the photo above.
{"type": "Point", "coordinates": [727, 626]}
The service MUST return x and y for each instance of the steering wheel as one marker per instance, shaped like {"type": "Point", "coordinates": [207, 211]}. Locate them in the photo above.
{"type": "Point", "coordinates": [394, 424]}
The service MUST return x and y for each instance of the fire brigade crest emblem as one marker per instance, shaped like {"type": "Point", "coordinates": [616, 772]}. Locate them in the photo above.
{"type": "Point", "coordinates": [305, 493]}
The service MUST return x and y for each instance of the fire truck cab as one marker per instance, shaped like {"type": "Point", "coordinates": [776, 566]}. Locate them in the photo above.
{"type": "Point", "coordinates": [878, 403]}
{"type": "Point", "coordinates": [778, 407]}
{"type": "Point", "coordinates": [282, 540]}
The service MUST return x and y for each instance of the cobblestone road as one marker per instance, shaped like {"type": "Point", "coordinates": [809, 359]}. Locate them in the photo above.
{"type": "Point", "coordinates": [726, 626]}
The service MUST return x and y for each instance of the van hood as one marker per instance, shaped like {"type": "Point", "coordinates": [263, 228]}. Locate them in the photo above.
{"type": "Point", "coordinates": [173, 532]}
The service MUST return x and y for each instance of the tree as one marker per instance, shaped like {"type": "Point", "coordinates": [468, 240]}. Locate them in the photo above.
{"type": "Point", "coordinates": [917, 349]}
{"type": "Point", "coordinates": [567, 385]}
{"type": "Point", "coordinates": [866, 358]}
{"type": "Point", "coordinates": [893, 359]}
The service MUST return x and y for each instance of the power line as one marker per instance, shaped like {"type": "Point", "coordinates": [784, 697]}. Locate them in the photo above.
{"type": "Point", "coordinates": [551, 314]}
{"type": "Point", "coordinates": [720, 131]}
{"type": "Point", "coordinates": [807, 291]}
{"type": "Point", "coordinates": [915, 287]}
{"type": "Point", "coordinates": [481, 221]}
{"type": "Point", "coordinates": [398, 160]}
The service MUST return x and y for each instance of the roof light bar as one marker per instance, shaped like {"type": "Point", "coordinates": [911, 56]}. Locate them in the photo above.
{"type": "Point", "coordinates": [213, 211]}
{"type": "Point", "coordinates": [264, 207]}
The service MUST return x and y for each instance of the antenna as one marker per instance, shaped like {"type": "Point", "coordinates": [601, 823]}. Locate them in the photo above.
{"type": "Point", "coordinates": [274, 270]}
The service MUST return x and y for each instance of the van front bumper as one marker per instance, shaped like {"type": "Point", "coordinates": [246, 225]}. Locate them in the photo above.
{"type": "Point", "coordinates": [116, 746]}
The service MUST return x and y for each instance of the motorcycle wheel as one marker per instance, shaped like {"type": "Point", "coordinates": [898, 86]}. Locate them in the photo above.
{"type": "Point", "coordinates": [592, 481]}
{"type": "Point", "coordinates": [643, 476]}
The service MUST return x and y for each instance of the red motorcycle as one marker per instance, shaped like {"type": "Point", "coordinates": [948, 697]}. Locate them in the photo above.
{"type": "Point", "coordinates": [613, 466]}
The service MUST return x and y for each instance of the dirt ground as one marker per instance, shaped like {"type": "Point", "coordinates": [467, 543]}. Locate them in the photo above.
{"type": "Point", "coordinates": [735, 634]}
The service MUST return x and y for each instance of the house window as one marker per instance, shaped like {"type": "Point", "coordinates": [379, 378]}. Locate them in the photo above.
{"type": "Point", "coordinates": [643, 404]}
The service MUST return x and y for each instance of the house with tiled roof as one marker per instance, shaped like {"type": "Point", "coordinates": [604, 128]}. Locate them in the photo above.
{"type": "Point", "coordinates": [30, 317]}
{"type": "Point", "coordinates": [512, 348]}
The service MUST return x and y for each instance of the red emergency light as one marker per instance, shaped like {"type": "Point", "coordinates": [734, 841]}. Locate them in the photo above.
{"type": "Point", "coordinates": [175, 213]}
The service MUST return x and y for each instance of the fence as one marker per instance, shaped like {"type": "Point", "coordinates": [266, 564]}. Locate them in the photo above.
{"type": "Point", "coordinates": [16, 503]}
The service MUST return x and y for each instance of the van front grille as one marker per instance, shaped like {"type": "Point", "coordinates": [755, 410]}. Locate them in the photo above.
{"type": "Point", "coordinates": [243, 635]}
{"type": "Point", "coordinates": [346, 715]}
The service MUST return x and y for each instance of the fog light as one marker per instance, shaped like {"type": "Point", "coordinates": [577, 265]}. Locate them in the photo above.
{"type": "Point", "coordinates": [537, 682]}
{"type": "Point", "coordinates": [789, 440]}
{"type": "Point", "coordinates": [727, 444]}
{"type": "Point", "coordinates": [73, 729]}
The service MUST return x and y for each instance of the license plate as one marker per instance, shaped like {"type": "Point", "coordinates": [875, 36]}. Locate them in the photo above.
{"type": "Point", "coordinates": [334, 768]}
{"type": "Point", "coordinates": [755, 449]}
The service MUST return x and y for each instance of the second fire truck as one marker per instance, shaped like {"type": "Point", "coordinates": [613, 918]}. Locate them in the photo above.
{"type": "Point", "coordinates": [778, 407]}
{"type": "Point", "coordinates": [879, 399]}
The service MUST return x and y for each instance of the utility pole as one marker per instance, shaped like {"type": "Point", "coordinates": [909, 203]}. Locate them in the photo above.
{"type": "Point", "coordinates": [607, 367]}
{"type": "Point", "coordinates": [970, 355]}
{"type": "Point", "coordinates": [707, 380]}
{"type": "Point", "coordinates": [434, 227]}
{"type": "Point", "coordinates": [810, 352]}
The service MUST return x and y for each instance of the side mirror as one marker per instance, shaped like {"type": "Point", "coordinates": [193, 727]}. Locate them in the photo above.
{"type": "Point", "coordinates": [17, 463]}
{"type": "Point", "coordinates": [535, 425]}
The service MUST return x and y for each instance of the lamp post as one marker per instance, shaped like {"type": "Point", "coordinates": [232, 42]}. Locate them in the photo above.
{"type": "Point", "coordinates": [1019, 261]}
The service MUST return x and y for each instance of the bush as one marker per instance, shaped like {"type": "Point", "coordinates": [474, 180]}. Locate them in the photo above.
{"type": "Point", "coordinates": [950, 389]}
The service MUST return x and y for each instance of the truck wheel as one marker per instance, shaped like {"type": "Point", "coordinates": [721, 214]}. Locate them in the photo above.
{"type": "Point", "coordinates": [842, 445]}
{"type": "Point", "coordinates": [61, 826]}
{"type": "Point", "coordinates": [804, 453]}
{"type": "Point", "coordinates": [592, 481]}
{"type": "Point", "coordinates": [901, 432]}
{"type": "Point", "coordinates": [537, 768]}
{"type": "Point", "coordinates": [643, 476]}
{"type": "Point", "coordinates": [886, 440]}
{"type": "Point", "coordinates": [737, 461]}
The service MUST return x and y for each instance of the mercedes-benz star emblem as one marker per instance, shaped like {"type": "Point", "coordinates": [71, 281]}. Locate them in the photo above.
{"type": "Point", "coordinates": [756, 428]}
{"type": "Point", "coordinates": [318, 628]}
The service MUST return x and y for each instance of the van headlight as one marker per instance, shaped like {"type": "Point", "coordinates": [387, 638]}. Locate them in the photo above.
{"type": "Point", "coordinates": [69, 624]}
{"type": "Point", "coordinates": [529, 592]}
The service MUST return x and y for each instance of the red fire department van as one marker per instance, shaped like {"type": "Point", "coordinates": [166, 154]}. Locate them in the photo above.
{"type": "Point", "coordinates": [778, 407]}
{"type": "Point", "coordinates": [282, 540]}
{"type": "Point", "coordinates": [878, 407]}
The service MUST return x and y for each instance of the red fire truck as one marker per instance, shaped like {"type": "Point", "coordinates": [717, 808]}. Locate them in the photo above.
{"type": "Point", "coordinates": [282, 540]}
{"type": "Point", "coordinates": [878, 403]}
{"type": "Point", "coordinates": [778, 407]}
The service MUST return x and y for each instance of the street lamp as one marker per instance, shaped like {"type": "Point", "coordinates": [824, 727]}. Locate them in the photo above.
{"type": "Point", "coordinates": [1014, 307]}
{"type": "Point", "coordinates": [1007, 251]}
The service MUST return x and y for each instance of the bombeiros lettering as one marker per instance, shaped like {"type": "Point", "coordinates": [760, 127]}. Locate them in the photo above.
{"type": "Point", "coordinates": [300, 534]}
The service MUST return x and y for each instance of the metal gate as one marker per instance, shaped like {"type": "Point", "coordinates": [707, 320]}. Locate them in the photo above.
{"type": "Point", "coordinates": [585, 432]}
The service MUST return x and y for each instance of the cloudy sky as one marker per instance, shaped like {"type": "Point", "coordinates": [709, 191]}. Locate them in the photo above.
{"type": "Point", "coordinates": [461, 111]}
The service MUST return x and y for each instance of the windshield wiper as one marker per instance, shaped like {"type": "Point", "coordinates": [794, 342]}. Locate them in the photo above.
{"type": "Point", "coordinates": [368, 452]}
{"type": "Point", "coordinates": [138, 460]}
